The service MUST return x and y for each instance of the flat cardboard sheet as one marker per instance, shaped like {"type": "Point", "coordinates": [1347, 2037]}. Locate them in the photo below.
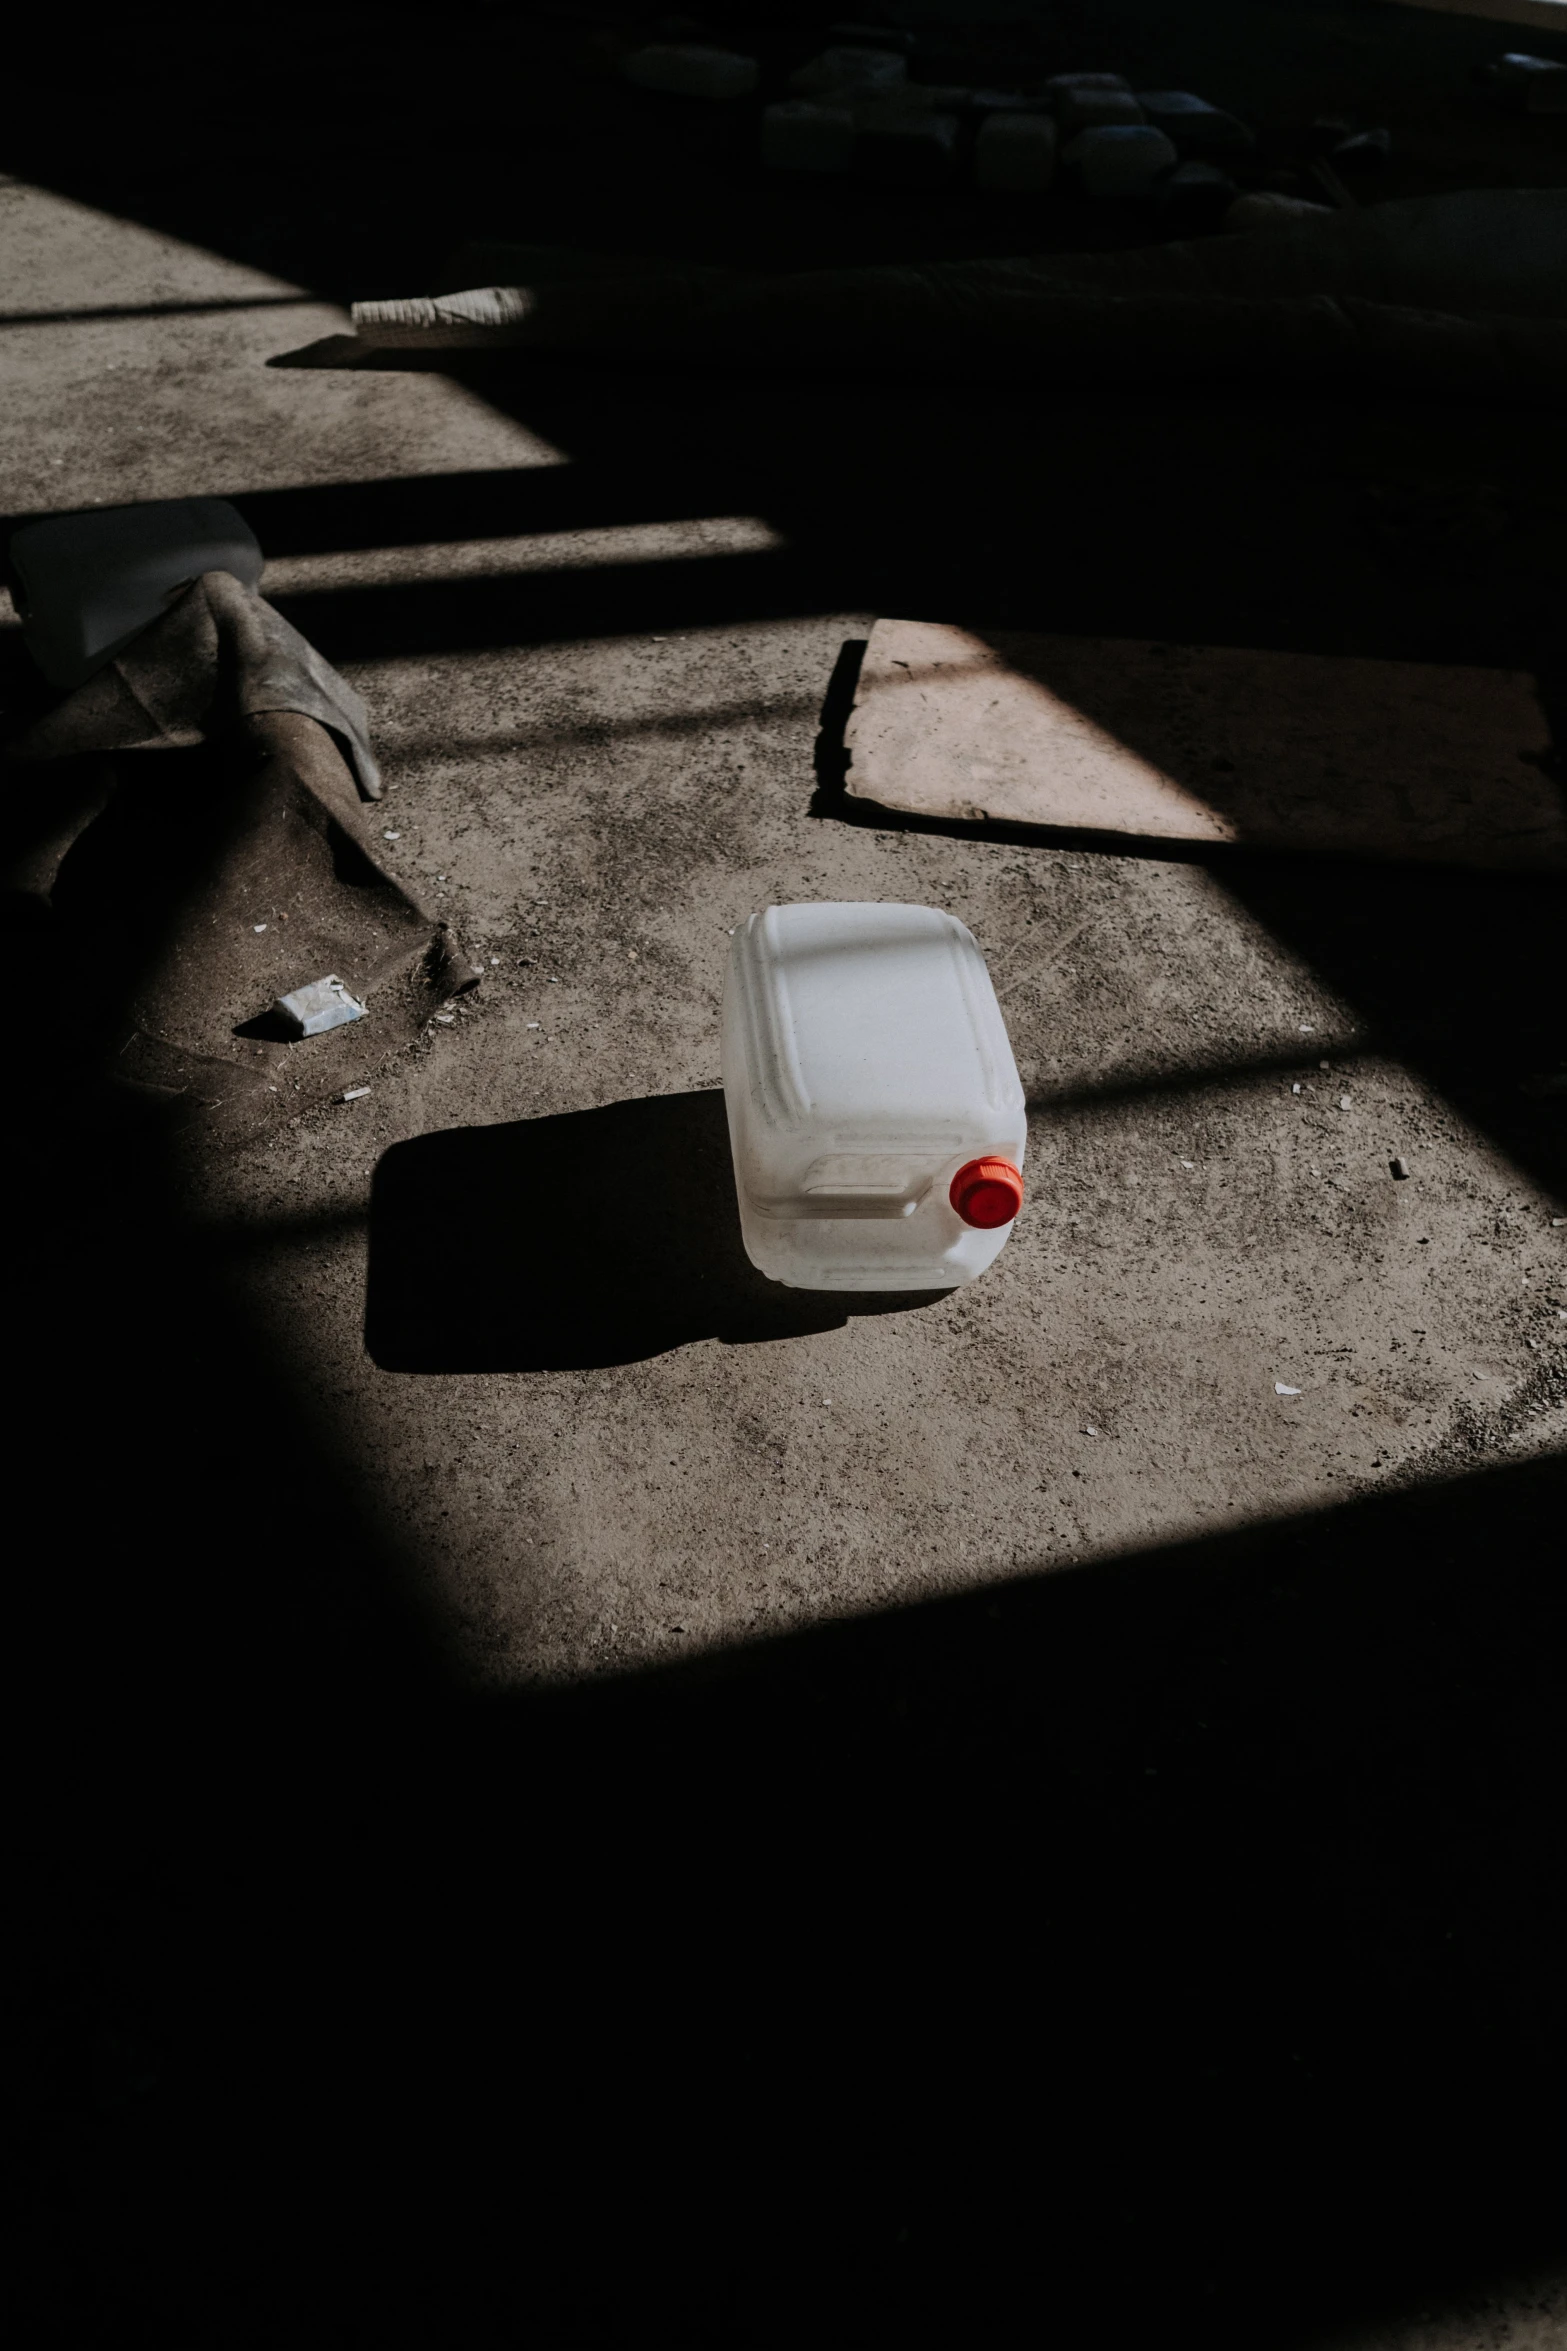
{"type": "Point", "coordinates": [1208, 743]}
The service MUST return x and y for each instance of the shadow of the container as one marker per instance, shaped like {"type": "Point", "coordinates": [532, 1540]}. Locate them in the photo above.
{"type": "Point", "coordinates": [570, 1243]}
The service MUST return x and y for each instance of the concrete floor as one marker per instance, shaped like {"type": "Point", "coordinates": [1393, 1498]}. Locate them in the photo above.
{"type": "Point", "coordinates": [596, 625]}
{"type": "Point", "coordinates": [595, 815]}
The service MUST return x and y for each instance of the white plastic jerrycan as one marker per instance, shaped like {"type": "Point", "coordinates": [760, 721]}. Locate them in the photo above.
{"type": "Point", "coordinates": [874, 1106]}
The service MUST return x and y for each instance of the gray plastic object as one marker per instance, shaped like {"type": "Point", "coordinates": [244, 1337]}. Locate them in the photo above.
{"type": "Point", "coordinates": [88, 583]}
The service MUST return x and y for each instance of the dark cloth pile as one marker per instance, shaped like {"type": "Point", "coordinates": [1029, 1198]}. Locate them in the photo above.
{"type": "Point", "coordinates": [184, 896]}
{"type": "Point", "coordinates": [1452, 296]}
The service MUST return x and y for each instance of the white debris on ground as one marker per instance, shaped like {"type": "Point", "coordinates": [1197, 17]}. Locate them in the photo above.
{"type": "Point", "coordinates": [324, 1004]}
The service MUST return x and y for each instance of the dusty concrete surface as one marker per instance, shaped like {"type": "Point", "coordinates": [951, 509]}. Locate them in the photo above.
{"type": "Point", "coordinates": [595, 815]}
{"type": "Point", "coordinates": [1192, 1240]}
{"type": "Point", "coordinates": [596, 627]}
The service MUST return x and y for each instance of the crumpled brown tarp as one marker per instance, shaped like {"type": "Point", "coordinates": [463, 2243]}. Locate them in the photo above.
{"type": "Point", "coordinates": [188, 894]}
{"type": "Point", "coordinates": [1462, 295]}
{"type": "Point", "coordinates": [219, 655]}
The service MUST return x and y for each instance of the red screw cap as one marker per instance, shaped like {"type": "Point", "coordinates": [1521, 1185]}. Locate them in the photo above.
{"type": "Point", "coordinates": [987, 1192]}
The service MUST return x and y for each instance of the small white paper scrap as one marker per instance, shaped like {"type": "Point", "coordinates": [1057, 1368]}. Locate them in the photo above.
{"type": "Point", "coordinates": [1279, 1389]}
{"type": "Point", "coordinates": [325, 1004]}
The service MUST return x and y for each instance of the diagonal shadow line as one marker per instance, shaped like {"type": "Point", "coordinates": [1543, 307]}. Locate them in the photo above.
{"type": "Point", "coordinates": [1236, 1076]}
{"type": "Point", "coordinates": [239, 1237]}
{"type": "Point", "coordinates": [399, 510]}
{"type": "Point", "coordinates": [552, 607]}
{"type": "Point", "coordinates": [127, 310]}
{"type": "Point", "coordinates": [761, 710]}
{"type": "Point", "coordinates": [503, 502]}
